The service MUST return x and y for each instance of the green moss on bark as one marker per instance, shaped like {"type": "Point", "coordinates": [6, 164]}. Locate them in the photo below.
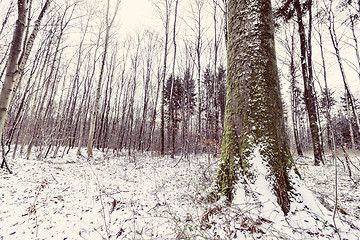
{"type": "Point", "coordinates": [254, 114]}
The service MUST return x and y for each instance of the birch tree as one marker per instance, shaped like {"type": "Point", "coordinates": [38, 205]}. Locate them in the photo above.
{"type": "Point", "coordinates": [16, 63]}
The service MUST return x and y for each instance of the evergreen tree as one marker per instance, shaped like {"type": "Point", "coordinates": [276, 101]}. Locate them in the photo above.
{"type": "Point", "coordinates": [189, 97]}
{"type": "Point", "coordinates": [209, 99]}
{"type": "Point", "coordinates": [173, 98]}
{"type": "Point", "coordinates": [214, 101]}
{"type": "Point", "coordinates": [221, 94]}
{"type": "Point", "coordinates": [327, 102]}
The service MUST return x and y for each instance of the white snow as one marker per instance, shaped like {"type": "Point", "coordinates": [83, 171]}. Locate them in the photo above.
{"type": "Point", "coordinates": [145, 197]}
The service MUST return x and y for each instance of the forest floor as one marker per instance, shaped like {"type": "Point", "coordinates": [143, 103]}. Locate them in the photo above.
{"type": "Point", "coordinates": [150, 197]}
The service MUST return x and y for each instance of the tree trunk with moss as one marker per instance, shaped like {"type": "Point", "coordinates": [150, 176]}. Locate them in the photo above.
{"type": "Point", "coordinates": [254, 122]}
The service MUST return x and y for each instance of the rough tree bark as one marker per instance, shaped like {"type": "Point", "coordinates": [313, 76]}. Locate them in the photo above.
{"type": "Point", "coordinates": [254, 121]}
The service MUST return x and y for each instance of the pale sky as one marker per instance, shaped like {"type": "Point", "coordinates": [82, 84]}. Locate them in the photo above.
{"type": "Point", "coordinates": [137, 14]}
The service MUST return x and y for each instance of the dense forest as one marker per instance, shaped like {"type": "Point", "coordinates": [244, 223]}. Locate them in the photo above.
{"type": "Point", "coordinates": [83, 82]}
{"type": "Point", "coordinates": [256, 86]}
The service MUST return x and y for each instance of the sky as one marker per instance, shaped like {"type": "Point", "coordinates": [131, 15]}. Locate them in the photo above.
{"type": "Point", "coordinates": [140, 14]}
{"type": "Point", "coordinates": [137, 14]}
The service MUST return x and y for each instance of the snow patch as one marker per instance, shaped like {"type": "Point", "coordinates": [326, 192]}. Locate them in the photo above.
{"type": "Point", "coordinates": [145, 197]}
{"type": "Point", "coordinates": [308, 218]}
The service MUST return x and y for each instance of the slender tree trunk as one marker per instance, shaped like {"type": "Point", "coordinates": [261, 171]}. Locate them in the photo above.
{"type": "Point", "coordinates": [25, 98]}
{"type": "Point", "coordinates": [147, 78]}
{"type": "Point", "coordinates": [294, 99]}
{"type": "Point", "coordinates": [216, 82]}
{"type": "Point", "coordinates": [6, 17]}
{"type": "Point", "coordinates": [109, 23]}
{"type": "Point", "coordinates": [12, 70]}
{"type": "Point", "coordinates": [327, 93]}
{"type": "Point", "coordinates": [335, 43]}
{"type": "Point", "coordinates": [60, 119]}
{"type": "Point", "coordinates": [47, 81]}
{"type": "Point", "coordinates": [355, 38]}
{"type": "Point", "coordinates": [171, 105]}
{"type": "Point", "coordinates": [86, 98]}
{"type": "Point", "coordinates": [97, 100]}
{"type": "Point", "coordinates": [198, 54]}
{"type": "Point", "coordinates": [83, 115]}
{"type": "Point", "coordinates": [162, 127]}
{"type": "Point", "coordinates": [225, 22]}
{"type": "Point", "coordinates": [153, 119]}
{"type": "Point", "coordinates": [348, 113]}
{"type": "Point", "coordinates": [309, 91]}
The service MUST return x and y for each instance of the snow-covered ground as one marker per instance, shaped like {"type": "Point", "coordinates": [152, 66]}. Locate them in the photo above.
{"type": "Point", "coordinates": [149, 197]}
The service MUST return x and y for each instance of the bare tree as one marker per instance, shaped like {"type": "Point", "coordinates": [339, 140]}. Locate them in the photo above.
{"type": "Point", "coordinates": [197, 12]}
{"type": "Point", "coordinates": [16, 63]}
{"type": "Point", "coordinates": [108, 24]}
{"type": "Point", "coordinates": [150, 48]}
{"type": "Point", "coordinates": [8, 13]}
{"type": "Point", "coordinates": [296, 100]}
{"type": "Point", "coordinates": [335, 41]}
{"type": "Point", "coordinates": [51, 72]}
{"type": "Point", "coordinates": [165, 17]}
{"type": "Point", "coordinates": [172, 123]}
{"type": "Point", "coordinates": [288, 10]}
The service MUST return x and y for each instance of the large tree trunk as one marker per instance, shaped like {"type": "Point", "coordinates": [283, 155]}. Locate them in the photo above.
{"type": "Point", "coordinates": [255, 152]}
{"type": "Point", "coordinates": [254, 121]}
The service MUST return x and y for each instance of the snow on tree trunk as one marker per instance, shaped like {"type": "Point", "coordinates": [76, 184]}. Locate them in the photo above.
{"type": "Point", "coordinates": [256, 167]}
{"type": "Point", "coordinates": [254, 115]}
